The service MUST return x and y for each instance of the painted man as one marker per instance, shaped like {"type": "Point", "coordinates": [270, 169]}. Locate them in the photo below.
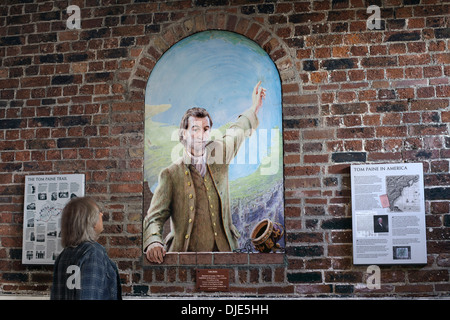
{"type": "Point", "coordinates": [193, 191]}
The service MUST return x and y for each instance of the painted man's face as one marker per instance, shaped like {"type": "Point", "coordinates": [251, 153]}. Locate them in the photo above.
{"type": "Point", "coordinates": [197, 135]}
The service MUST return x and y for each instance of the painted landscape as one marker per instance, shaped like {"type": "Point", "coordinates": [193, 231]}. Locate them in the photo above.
{"type": "Point", "coordinates": [217, 70]}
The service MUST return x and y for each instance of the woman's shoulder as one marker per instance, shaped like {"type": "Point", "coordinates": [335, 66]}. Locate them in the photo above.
{"type": "Point", "coordinates": [92, 248]}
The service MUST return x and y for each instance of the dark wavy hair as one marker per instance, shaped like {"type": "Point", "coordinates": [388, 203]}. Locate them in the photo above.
{"type": "Point", "coordinates": [192, 112]}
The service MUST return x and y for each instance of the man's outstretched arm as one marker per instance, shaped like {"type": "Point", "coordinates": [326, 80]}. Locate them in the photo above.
{"type": "Point", "coordinates": [258, 95]}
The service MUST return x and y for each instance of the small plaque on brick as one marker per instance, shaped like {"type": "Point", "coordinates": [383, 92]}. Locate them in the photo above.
{"type": "Point", "coordinates": [213, 280]}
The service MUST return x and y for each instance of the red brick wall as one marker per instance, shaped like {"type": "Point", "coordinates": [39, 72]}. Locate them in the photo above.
{"type": "Point", "coordinates": [72, 101]}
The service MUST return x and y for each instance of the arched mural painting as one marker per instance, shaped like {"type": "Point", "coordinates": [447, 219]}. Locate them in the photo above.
{"type": "Point", "coordinates": [218, 71]}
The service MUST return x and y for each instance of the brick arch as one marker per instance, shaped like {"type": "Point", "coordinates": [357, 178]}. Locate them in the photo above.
{"type": "Point", "coordinates": [171, 34]}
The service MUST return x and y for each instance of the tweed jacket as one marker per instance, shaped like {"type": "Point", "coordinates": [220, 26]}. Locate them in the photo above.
{"type": "Point", "coordinates": [175, 197]}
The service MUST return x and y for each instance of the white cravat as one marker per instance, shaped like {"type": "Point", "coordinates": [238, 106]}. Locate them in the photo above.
{"type": "Point", "coordinates": [199, 162]}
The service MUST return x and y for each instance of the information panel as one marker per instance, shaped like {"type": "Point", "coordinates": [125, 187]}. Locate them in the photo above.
{"type": "Point", "coordinates": [388, 214]}
{"type": "Point", "coordinates": [45, 197]}
{"type": "Point", "coordinates": [213, 280]}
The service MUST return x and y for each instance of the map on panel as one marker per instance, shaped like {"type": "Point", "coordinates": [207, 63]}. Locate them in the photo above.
{"type": "Point", "coordinates": [403, 193]}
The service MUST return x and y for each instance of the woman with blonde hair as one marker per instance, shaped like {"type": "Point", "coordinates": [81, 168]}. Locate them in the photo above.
{"type": "Point", "coordinates": [83, 270]}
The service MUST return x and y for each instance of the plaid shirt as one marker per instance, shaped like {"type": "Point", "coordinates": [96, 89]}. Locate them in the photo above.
{"type": "Point", "coordinates": [85, 272]}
